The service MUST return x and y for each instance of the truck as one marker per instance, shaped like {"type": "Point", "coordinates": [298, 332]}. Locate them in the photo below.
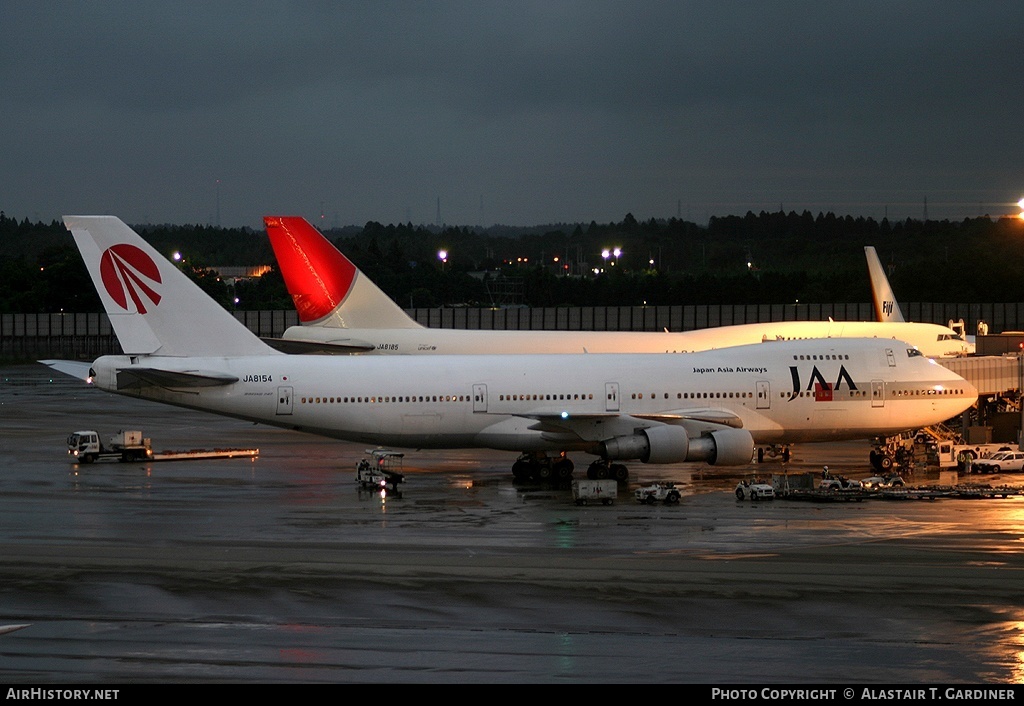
{"type": "Point", "coordinates": [602, 491]}
{"type": "Point", "coordinates": [954, 454]}
{"type": "Point", "coordinates": [87, 447]}
{"type": "Point", "coordinates": [125, 446]}
{"type": "Point", "coordinates": [381, 471]}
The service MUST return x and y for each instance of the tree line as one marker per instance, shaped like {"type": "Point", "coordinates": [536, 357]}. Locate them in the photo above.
{"type": "Point", "coordinates": [764, 258]}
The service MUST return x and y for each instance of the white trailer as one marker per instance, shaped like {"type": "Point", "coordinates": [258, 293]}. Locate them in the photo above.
{"type": "Point", "coordinates": [604, 491]}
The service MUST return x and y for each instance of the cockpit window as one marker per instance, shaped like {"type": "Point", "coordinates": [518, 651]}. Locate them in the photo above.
{"type": "Point", "coordinates": [913, 353]}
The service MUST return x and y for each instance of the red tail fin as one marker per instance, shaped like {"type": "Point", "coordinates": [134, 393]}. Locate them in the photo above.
{"type": "Point", "coordinates": [317, 275]}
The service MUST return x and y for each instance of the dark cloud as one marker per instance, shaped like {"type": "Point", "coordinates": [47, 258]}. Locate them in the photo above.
{"type": "Point", "coordinates": [510, 112]}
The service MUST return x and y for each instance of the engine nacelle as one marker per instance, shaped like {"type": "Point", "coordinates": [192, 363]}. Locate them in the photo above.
{"type": "Point", "coordinates": [725, 447]}
{"type": "Point", "coordinates": [671, 444]}
{"type": "Point", "coordinates": [664, 444]}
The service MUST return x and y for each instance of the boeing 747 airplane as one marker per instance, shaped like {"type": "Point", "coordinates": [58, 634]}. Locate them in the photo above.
{"type": "Point", "coordinates": [341, 310]}
{"type": "Point", "coordinates": [182, 348]}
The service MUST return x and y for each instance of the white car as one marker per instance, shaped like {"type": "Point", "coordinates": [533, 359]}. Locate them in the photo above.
{"type": "Point", "coordinates": [840, 483]}
{"type": "Point", "coordinates": [1001, 461]}
{"type": "Point", "coordinates": [754, 490]}
{"type": "Point", "coordinates": [882, 482]}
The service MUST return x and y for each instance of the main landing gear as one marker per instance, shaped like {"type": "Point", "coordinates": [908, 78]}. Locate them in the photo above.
{"type": "Point", "coordinates": [773, 451]}
{"type": "Point", "coordinates": [540, 466]}
{"type": "Point", "coordinates": [601, 469]}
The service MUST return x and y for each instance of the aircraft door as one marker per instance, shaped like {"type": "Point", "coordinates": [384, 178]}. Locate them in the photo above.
{"type": "Point", "coordinates": [890, 358]}
{"type": "Point", "coordinates": [764, 395]}
{"type": "Point", "coordinates": [284, 400]}
{"type": "Point", "coordinates": [479, 397]}
{"type": "Point", "coordinates": [611, 397]}
{"type": "Point", "coordinates": [877, 393]}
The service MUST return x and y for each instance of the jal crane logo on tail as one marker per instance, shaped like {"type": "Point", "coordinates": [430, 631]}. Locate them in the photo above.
{"type": "Point", "coordinates": [128, 273]}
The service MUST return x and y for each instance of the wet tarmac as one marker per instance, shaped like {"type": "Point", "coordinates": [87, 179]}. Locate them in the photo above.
{"type": "Point", "coordinates": [281, 570]}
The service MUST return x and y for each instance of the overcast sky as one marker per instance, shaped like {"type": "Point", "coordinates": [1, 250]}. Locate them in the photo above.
{"type": "Point", "coordinates": [518, 113]}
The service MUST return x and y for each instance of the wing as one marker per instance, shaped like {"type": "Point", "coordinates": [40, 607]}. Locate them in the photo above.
{"type": "Point", "coordinates": [557, 425]}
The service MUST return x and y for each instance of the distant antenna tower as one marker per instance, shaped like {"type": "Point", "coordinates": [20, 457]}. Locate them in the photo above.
{"type": "Point", "coordinates": [926, 208]}
{"type": "Point", "coordinates": [438, 210]}
{"type": "Point", "coordinates": [218, 203]}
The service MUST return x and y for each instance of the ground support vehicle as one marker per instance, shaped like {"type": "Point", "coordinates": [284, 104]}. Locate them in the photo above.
{"type": "Point", "coordinates": [754, 490]}
{"type": "Point", "coordinates": [892, 452]}
{"type": "Point", "coordinates": [381, 471]}
{"type": "Point", "coordinates": [88, 447]}
{"type": "Point", "coordinates": [585, 492]}
{"type": "Point", "coordinates": [126, 446]}
{"type": "Point", "coordinates": [949, 454]}
{"type": "Point", "coordinates": [658, 493]}
{"type": "Point", "coordinates": [883, 482]}
{"type": "Point", "coordinates": [1000, 462]}
{"type": "Point", "coordinates": [838, 483]}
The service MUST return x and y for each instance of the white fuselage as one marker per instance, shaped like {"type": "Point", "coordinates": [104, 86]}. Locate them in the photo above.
{"type": "Point", "coordinates": [933, 340]}
{"type": "Point", "coordinates": [780, 392]}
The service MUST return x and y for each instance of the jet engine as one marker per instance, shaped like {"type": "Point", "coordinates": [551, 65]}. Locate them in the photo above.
{"type": "Point", "coordinates": [725, 447]}
{"type": "Point", "coordinates": [671, 444]}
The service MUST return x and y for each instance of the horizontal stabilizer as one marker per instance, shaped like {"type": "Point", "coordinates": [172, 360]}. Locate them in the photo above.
{"type": "Point", "coordinates": [296, 347]}
{"type": "Point", "coordinates": [74, 368]}
{"type": "Point", "coordinates": [138, 377]}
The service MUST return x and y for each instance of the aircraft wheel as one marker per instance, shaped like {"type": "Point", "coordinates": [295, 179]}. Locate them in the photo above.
{"type": "Point", "coordinates": [564, 469]}
{"type": "Point", "coordinates": [619, 472]}
{"type": "Point", "coordinates": [521, 470]}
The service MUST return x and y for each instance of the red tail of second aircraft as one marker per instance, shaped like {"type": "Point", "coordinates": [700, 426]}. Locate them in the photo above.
{"type": "Point", "coordinates": [327, 288]}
